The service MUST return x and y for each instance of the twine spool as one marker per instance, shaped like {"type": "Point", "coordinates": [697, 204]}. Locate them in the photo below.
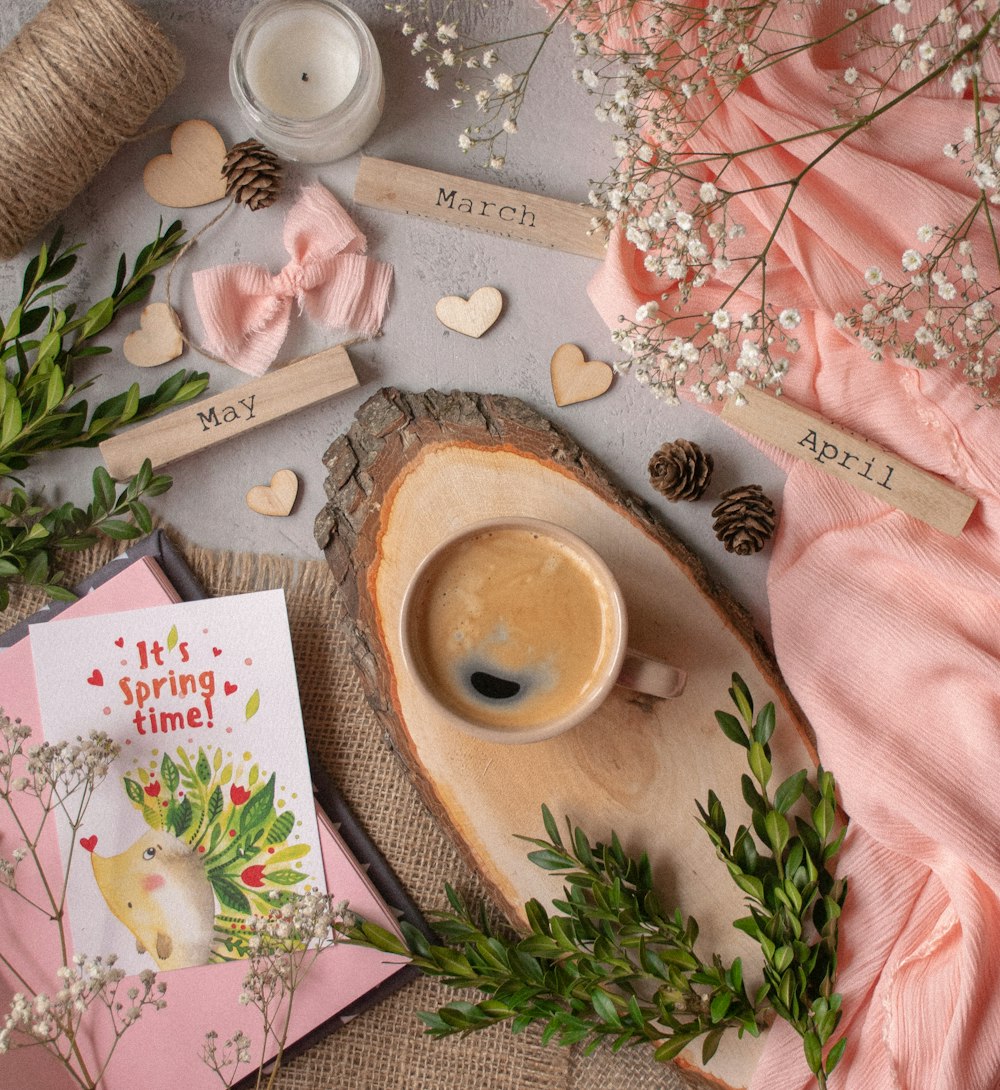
{"type": "Point", "coordinates": [78, 80]}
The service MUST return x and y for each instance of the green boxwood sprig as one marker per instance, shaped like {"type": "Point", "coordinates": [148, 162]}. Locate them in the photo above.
{"type": "Point", "coordinates": [611, 964]}
{"type": "Point", "coordinates": [41, 411]}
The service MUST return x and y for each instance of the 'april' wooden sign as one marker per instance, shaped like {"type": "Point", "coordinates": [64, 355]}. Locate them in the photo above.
{"type": "Point", "coordinates": [463, 202]}
{"type": "Point", "coordinates": [230, 413]}
{"type": "Point", "coordinates": [809, 437]}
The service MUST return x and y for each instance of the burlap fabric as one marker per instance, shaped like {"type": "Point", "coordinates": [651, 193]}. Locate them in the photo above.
{"type": "Point", "coordinates": [385, 1048]}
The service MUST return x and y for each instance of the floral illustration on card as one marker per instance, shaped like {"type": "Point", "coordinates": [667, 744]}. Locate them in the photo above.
{"type": "Point", "coordinates": [215, 846]}
{"type": "Point", "coordinates": [206, 819]}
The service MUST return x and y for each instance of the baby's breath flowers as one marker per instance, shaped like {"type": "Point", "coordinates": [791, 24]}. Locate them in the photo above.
{"type": "Point", "coordinates": [934, 309]}
{"type": "Point", "coordinates": [659, 72]}
{"type": "Point", "coordinates": [283, 947]}
{"type": "Point", "coordinates": [55, 1021]}
{"type": "Point", "coordinates": [473, 68]}
{"type": "Point", "coordinates": [35, 781]}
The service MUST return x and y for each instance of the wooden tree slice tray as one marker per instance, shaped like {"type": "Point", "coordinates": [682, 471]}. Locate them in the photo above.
{"type": "Point", "coordinates": [415, 467]}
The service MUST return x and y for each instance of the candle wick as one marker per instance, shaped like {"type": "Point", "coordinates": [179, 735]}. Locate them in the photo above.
{"type": "Point", "coordinates": [305, 77]}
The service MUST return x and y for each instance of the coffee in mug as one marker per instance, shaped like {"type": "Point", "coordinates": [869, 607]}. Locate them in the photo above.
{"type": "Point", "coordinates": [516, 629]}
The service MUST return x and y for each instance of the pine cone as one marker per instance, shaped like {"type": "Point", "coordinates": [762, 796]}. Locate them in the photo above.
{"type": "Point", "coordinates": [680, 470]}
{"type": "Point", "coordinates": [253, 174]}
{"type": "Point", "coordinates": [744, 519]}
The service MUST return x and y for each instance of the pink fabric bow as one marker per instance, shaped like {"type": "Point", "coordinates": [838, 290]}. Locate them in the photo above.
{"type": "Point", "coordinates": [245, 310]}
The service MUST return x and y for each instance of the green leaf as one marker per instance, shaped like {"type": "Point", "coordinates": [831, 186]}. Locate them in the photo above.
{"type": "Point", "coordinates": [732, 729]}
{"type": "Point", "coordinates": [59, 593]}
{"type": "Point", "coordinates": [229, 894]}
{"type": "Point", "coordinates": [54, 389]}
{"type": "Point", "coordinates": [36, 571]}
{"type": "Point", "coordinates": [258, 809]}
{"type": "Point", "coordinates": [750, 885]}
{"type": "Point", "coordinates": [605, 1008]}
{"type": "Point", "coordinates": [284, 877]}
{"type": "Point", "coordinates": [10, 428]}
{"type": "Point", "coordinates": [118, 530]}
{"type": "Point", "coordinates": [742, 698]}
{"type": "Point", "coordinates": [104, 489]}
{"type": "Point", "coordinates": [253, 704]}
{"type": "Point", "coordinates": [823, 816]}
{"type": "Point", "coordinates": [551, 828]}
{"type": "Point", "coordinates": [671, 1048]}
{"type": "Point", "coordinates": [372, 935]}
{"type": "Point", "coordinates": [711, 1044]}
{"type": "Point", "coordinates": [764, 727]}
{"type": "Point", "coordinates": [835, 1055]}
{"type": "Point", "coordinates": [281, 828]}
{"type": "Point", "coordinates": [813, 1051]}
{"type": "Point", "coordinates": [97, 318]}
{"type": "Point", "coordinates": [777, 831]}
{"type": "Point", "coordinates": [215, 804]}
{"type": "Point", "coordinates": [538, 919]}
{"type": "Point", "coordinates": [131, 406]}
{"type": "Point", "coordinates": [180, 816]}
{"type": "Point", "coordinates": [169, 774]}
{"type": "Point", "coordinates": [751, 796]}
{"type": "Point", "coordinates": [720, 1005]}
{"type": "Point", "coordinates": [202, 768]}
{"type": "Point", "coordinates": [549, 859]}
{"type": "Point", "coordinates": [790, 791]}
{"type": "Point", "coordinates": [134, 791]}
{"type": "Point", "coordinates": [783, 958]}
{"type": "Point", "coordinates": [172, 638]}
{"type": "Point", "coordinates": [759, 764]}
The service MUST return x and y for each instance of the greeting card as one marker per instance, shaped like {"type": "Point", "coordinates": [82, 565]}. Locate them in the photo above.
{"type": "Point", "coordinates": [207, 814]}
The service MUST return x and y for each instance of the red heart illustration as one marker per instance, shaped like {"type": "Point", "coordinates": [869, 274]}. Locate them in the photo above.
{"type": "Point", "coordinates": [120, 642]}
{"type": "Point", "coordinates": [96, 678]}
{"type": "Point", "coordinates": [230, 688]}
{"type": "Point", "coordinates": [217, 651]}
{"type": "Point", "coordinates": [88, 843]}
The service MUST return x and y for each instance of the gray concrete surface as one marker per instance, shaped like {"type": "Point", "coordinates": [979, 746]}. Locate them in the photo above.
{"type": "Point", "coordinates": [560, 147]}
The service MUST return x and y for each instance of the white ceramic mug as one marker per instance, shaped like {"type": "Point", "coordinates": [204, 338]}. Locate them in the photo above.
{"type": "Point", "coordinates": [515, 629]}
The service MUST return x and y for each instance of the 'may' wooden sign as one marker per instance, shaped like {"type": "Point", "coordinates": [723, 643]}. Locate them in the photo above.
{"type": "Point", "coordinates": [809, 437]}
{"type": "Point", "coordinates": [213, 420]}
{"type": "Point", "coordinates": [462, 202]}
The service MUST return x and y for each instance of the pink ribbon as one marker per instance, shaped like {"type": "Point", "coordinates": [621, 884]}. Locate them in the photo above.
{"type": "Point", "coordinates": [246, 311]}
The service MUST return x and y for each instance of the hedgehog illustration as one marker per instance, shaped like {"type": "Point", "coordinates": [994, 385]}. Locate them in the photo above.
{"type": "Point", "coordinates": [215, 853]}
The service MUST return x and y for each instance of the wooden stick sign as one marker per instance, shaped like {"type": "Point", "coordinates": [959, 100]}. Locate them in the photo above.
{"type": "Point", "coordinates": [230, 413]}
{"type": "Point", "coordinates": [807, 436]}
{"type": "Point", "coordinates": [462, 202]}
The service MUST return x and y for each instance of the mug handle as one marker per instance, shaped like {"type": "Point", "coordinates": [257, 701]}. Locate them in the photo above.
{"type": "Point", "coordinates": [645, 674]}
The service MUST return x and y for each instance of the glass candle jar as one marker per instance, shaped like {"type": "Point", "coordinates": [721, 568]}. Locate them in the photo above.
{"type": "Point", "coordinates": [307, 77]}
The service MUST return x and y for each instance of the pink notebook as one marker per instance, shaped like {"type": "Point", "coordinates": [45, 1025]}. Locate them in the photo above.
{"type": "Point", "coordinates": [198, 999]}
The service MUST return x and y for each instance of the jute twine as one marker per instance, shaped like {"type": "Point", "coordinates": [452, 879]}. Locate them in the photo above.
{"type": "Point", "coordinates": [77, 81]}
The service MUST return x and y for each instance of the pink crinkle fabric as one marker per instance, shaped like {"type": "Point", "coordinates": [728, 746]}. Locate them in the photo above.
{"type": "Point", "coordinates": [887, 631]}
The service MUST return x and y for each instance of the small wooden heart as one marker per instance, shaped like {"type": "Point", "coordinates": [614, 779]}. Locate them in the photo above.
{"type": "Point", "coordinates": [158, 338]}
{"type": "Point", "coordinates": [191, 173]}
{"type": "Point", "coordinates": [472, 316]}
{"type": "Point", "coordinates": [276, 498]}
{"type": "Point", "coordinates": [575, 378]}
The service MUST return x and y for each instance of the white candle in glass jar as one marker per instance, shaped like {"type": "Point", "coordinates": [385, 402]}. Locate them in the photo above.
{"type": "Point", "coordinates": [308, 78]}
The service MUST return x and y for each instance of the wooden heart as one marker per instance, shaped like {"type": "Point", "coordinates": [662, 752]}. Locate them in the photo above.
{"type": "Point", "coordinates": [575, 378]}
{"type": "Point", "coordinates": [276, 498]}
{"type": "Point", "coordinates": [472, 316]}
{"type": "Point", "coordinates": [191, 173]}
{"type": "Point", "coordinates": [158, 338]}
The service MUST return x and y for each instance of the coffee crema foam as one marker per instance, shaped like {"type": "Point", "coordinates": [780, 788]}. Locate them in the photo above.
{"type": "Point", "coordinates": [512, 628]}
